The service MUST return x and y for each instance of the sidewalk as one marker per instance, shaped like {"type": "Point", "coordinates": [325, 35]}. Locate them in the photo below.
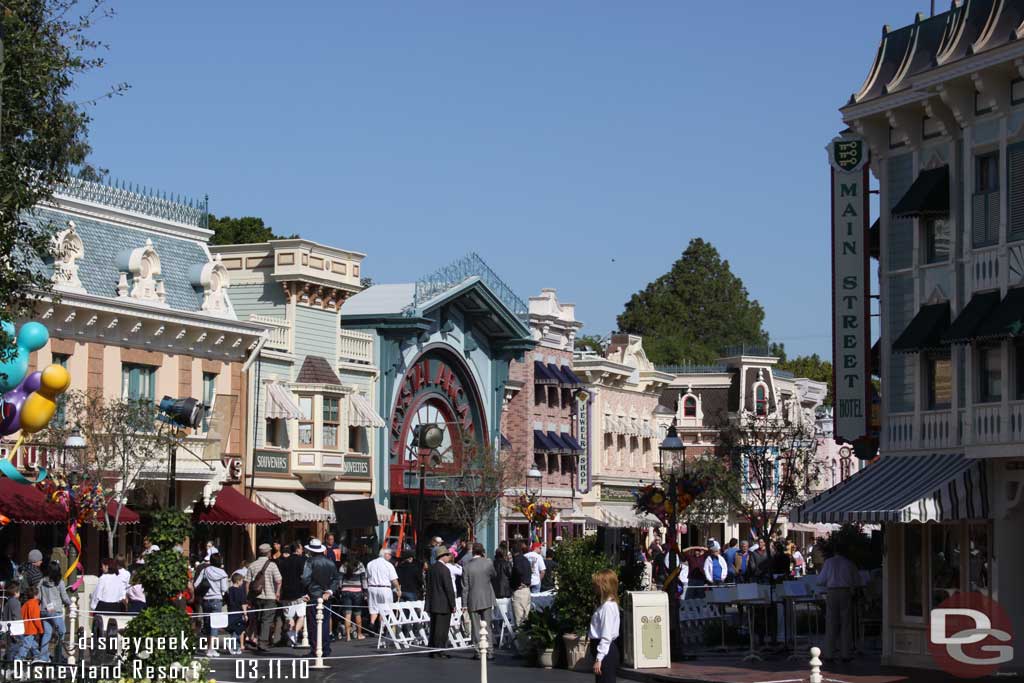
{"type": "Point", "coordinates": [731, 669]}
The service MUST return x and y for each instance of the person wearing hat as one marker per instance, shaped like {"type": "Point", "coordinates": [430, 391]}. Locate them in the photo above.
{"type": "Point", "coordinates": [440, 602]}
{"type": "Point", "coordinates": [716, 570]}
{"type": "Point", "coordinates": [381, 584]}
{"type": "Point", "coordinates": [320, 578]}
{"type": "Point", "coordinates": [435, 547]}
{"type": "Point", "coordinates": [32, 572]}
{"type": "Point", "coordinates": [265, 581]}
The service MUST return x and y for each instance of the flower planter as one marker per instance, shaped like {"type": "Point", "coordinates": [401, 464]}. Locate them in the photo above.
{"type": "Point", "coordinates": [546, 658]}
{"type": "Point", "coordinates": [575, 652]}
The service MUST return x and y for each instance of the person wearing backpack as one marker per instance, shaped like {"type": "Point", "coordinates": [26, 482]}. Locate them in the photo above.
{"type": "Point", "coordinates": [211, 585]}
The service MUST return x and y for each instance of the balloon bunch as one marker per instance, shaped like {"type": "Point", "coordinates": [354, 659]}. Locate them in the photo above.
{"type": "Point", "coordinates": [662, 504]}
{"type": "Point", "coordinates": [536, 512]}
{"type": "Point", "coordinates": [84, 502]}
{"type": "Point", "coordinates": [29, 400]}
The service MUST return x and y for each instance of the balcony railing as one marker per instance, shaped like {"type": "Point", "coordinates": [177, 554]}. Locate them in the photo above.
{"type": "Point", "coordinates": [355, 347]}
{"type": "Point", "coordinates": [990, 424]}
{"type": "Point", "coordinates": [279, 328]}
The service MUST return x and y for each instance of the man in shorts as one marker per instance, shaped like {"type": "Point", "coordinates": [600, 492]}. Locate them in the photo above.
{"type": "Point", "coordinates": [382, 584]}
{"type": "Point", "coordinates": [292, 592]}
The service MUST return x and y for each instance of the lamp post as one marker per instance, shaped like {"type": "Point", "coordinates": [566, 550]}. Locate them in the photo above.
{"type": "Point", "coordinates": [426, 439]}
{"type": "Point", "coordinates": [669, 452]}
{"type": "Point", "coordinates": [532, 493]}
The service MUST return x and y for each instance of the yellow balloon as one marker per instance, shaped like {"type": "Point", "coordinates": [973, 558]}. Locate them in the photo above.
{"type": "Point", "coordinates": [40, 405]}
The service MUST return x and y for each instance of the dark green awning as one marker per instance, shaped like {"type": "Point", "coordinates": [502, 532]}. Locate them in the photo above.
{"type": "Point", "coordinates": [928, 196]}
{"type": "Point", "coordinates": [1007, 319]}
{"type": "Point", "coordinates": [925, 330]}
{"type": "Point", "coordinates": [966, 325]}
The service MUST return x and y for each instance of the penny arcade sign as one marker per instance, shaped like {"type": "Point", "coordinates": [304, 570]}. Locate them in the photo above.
{"type": "Point", "coordinates": [851, 315]}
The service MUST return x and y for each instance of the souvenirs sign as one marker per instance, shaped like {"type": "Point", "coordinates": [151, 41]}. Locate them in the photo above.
{"type": "Point", "coordinates": [851, 314]}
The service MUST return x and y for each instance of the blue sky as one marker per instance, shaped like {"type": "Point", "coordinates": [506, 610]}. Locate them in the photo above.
{"type": "Point", "coordinates": [576, 145]}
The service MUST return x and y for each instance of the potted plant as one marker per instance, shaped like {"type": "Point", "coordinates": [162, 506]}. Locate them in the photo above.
{"type": "Point", "coordinates": [542, 631]}
{"type": "Point", "coordinates": [576, 561]}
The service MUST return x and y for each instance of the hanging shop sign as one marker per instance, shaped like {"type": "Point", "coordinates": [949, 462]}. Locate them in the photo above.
{"type": "Point", "coordinates": [583, 437]}
{"type": "Point", "coordinates": [851, 314]}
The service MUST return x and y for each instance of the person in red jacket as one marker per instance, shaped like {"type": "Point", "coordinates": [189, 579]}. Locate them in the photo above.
{"type": "Point", "coordinates": [33, 624]}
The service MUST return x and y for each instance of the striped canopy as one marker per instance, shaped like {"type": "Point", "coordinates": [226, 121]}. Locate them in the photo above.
{"type": "Point", "coordinates": [909, 488]}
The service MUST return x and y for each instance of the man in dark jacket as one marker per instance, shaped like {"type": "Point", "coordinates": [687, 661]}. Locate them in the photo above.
{"type": "Point", "coordinates": [410, 577]}
{"type": "Point", "coordinates": [320, 579]}
{"type": "Point", "coordinates": [440, 602]}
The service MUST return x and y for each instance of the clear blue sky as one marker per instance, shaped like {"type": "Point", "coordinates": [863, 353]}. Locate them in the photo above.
{"type": "Point", "coordinates": [550, 137]}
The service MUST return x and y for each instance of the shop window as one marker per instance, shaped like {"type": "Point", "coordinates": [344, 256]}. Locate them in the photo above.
{"type": "Point", "coordinates": [690, 406]}
{"type": "Point", "coordinates": [938, 238]}
{"type": "Point", "coordinates": [517, 532]}
{"type": "Point", "coordinates": [540, 461]}
{"type": "Point", "coordinates": [552, 463]}
{"type": "Point", "coordinates": [990, 374]}
{"type": "Point", "coordinates": [138, 382]}
{"type": "Point", "coordinates": [358, 440]}
{"type": "Point", "coordinates": [209, 394]}
{"type": "Point", "coordinates": [330, 425]}
{"type": "Point", "coordinates": [945, 562]}
{"type": "Point", "coordinates": [939, 380]}
{"type": "Point", "coordinates": [567, 464]}
{"type": "Point", "coordinates": [552, 397]}
{"type": "Point", "coordinates": [539, 394]}
{"type": "Point", "coordinates": [913, 570]}
{"type": "Point", "coordinates": [277, 433]}
{"type": "Point", "coordinates": [306, 421]}
{"type": "Point", "coordinates": [978, 570]}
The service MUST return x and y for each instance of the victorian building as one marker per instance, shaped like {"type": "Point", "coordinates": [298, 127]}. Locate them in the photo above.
{"type": "Point", "coordinates": [443, 345]}
{"type": "Point", "coordinates": [313, 385]}
{"type": "Point", "coordinates": [143, 312]}
{"type": "Point", "coordinates": [625, 391]}
{"type": "Point", "coordinates": [544, 424]}
{"type": "Point", "coordinates": [942, 114]}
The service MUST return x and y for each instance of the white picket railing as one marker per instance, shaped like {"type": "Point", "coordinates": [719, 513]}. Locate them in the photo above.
{"type": "Point", "coordinates": [279, 330]}
{"type": "Point", "coordinates": [355, 347]}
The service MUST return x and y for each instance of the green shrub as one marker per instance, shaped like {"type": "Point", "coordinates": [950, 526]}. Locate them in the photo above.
{"type": "Point", "coordinates": [163, 576]}
{"type": "Point", "coordinates": [542, 628]}
{"type": "Point", "coordinates": [170, 527]}
{"type": "Point", "coordinates": [164, 621]}
{"type": "Point", "coordinates": [577, 560]}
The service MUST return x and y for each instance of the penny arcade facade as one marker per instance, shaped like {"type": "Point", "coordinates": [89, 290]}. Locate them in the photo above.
{"type": "Point", "coordinates": [443, 345]}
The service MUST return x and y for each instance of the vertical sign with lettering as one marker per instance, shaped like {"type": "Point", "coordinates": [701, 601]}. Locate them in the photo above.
{"type": "Point", "coordinates": [582, 435]}
{"type": "Point", "coordinates": [851, 313]}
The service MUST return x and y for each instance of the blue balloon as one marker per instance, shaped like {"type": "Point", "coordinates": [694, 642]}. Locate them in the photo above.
{"type": "Point", "coordinates": [31, 337]}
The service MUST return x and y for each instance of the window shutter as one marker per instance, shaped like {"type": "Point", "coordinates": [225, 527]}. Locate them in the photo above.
{"type": "Point", "coordinates": [978, 222]}
{"type": "Point", "coordinates": [992, 228]}
{"type": "Point", "coordinates": [1015, 192]}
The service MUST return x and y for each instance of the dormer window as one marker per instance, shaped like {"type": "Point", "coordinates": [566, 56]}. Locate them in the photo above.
{"type": "Point", "coordinates": [760, 401]}
{"type": "Point", "coordinates": [690, 406]}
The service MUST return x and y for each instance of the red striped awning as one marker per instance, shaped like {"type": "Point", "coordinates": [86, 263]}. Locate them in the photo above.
{"type": "Point", "coordinates": [26, 504]}
{"type": "Point", "coordinates": [231, 507]}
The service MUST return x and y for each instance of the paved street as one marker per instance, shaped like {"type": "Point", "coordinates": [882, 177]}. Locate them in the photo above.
{"type": "Point", "coordinates": [383, 666]}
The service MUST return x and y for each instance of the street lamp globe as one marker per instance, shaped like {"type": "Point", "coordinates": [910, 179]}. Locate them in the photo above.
{"type": "Point", "coordinates": [75, 439]}
{"type": "Point", "coordinates": [533, 480]}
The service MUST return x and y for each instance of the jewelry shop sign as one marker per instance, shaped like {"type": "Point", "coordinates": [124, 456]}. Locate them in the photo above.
{"type": "Point", "coordinates": [851, 312]}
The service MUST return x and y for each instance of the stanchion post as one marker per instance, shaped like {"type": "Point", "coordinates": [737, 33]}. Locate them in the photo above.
{"type": "Point", "coordinates": [815, 666]}
{"type": "Point", "coordinates": [483, 648]}
{"type": "Point", "coordinates": [319, 663]}
{"type": "Point", "coordinates": [73, 630]}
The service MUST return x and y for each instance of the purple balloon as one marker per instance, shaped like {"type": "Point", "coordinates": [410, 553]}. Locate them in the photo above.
{"type": "Point", "coordinates": [13, 400]}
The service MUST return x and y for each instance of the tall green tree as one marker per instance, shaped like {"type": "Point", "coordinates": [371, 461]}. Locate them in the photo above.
{"type": "Point", "coordinates": [43, 131]}
{"type": "Point", "coordinates": [244, 230]}
{"type": "Point", "coordinates": [691, 313]}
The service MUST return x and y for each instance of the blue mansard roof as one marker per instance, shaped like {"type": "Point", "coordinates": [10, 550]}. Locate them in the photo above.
{"type": "Point", "coordinates": [105, 245]}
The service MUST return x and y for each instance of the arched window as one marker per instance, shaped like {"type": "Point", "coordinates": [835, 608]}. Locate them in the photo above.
{"type": "Point", "coordinates": [690, 406]}
{"type": "Point", "coordinates": [761, 400]}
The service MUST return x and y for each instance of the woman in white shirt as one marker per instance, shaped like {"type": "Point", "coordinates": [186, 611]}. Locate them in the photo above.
{"type": "Point", "coordinates": [604, 626]}
{"type": "Point", "coordinates": [108, 596]}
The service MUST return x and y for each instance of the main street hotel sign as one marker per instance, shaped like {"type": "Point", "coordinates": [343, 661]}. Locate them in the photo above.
{"type": "Point", "coordinates": [851, 313]}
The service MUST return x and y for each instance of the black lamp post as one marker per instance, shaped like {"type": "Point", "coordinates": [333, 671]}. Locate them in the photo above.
{"type": "Point", "coordinates": [535, 476]}
{"type": "Point", "coordinates": [670, 451]}
{"type": "Point", "coordinates": [426, 439]}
